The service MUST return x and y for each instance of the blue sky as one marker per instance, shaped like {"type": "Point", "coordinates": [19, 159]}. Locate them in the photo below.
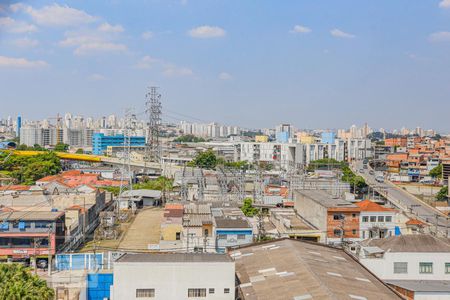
{"type": "Point", "coordinates": [316, 64]}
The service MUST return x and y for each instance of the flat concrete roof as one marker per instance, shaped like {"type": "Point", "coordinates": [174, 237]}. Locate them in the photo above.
{"type": "Point", "coordinates": [325, 199]}
{"type": "Point", "coordinates": [174, 257]}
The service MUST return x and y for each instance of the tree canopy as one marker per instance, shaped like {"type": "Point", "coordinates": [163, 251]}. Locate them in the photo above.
{"type": "Point", "coordinates": [189, 138]}
{"type": "Point", "coordinates": [205, 160]}
{"type": "Point", "coordinates": [61, 147]}
{"type": "Point", "coordinates": [248, 209]}
{"type": "Point", "coordinates": [442, 195]}
{"type": "Point", "coordinates": [158, 184]}
{"type": "Point", "coordinates": [28, 169]}
{"type": "Point", "coordinates": [436, 172]}
{"type": "Point", "coordinates": [17, 283]}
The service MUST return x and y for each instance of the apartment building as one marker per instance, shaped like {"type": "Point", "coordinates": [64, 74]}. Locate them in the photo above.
{"type": "Point", "coordinates": [174, 276]}
{"type": "Point", "coordinates": [376, 221]}
{"type": "Point", "coordinates": [36, 233]}
{"type": "Point", "coordinates": [337, 220]}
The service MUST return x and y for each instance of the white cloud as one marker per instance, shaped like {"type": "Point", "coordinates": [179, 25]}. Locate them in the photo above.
{"type": "Point", "coordinates": [90, 48]}
{"type": "Point", "coordinates": [341, 34]}
{"type": "Point", "coordinates": [55, 15]}
{"type": "Point", "coordinates": [206, 32]}
{"type": "Point", "coordinates": [106, 27]}
{"type": "Point", "coordinates": [300, 29]}
{"type": "Point", "coordinates": [25, 43]}
{"type": "Point", "coordinates": [174, 71]}
{"type": "Point", "coordinates": [441, 36]}
{"type": "Point", "coordinates": [147, 35]}
{"type": "Point", "coordinates": [14, 26]}
{"type": "Point", "coordinates": [147, 62]}
{"type": "Point", "coordinates": [96, 77]}
{"type": "Point", "coordinates": [225, 76]}
{"type": "Point", "coordinates": [91, 42]}
{"type": "Point", "coordinates": [13, 62]}
{"type": "Point", "coordinates": [444, 4]}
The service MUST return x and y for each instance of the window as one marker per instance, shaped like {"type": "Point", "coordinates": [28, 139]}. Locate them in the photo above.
{"type": "Point", "coordinates": [222, 236]}
{"type": "Point", "coordinates": [447, 268]}
{"type": "Point", "coordinates": [426, 268]}
{"type": "Point", "coordinates": [373, 218]}
{"type": "Point", "coordinates": [353, 215]}
{"type": "Point", "coordinates": [338, 217]}
{"type": "Point", "coordinates": [195, 293]}
{"type": "Point", "coordinates": [365, 219]}
{"type": "Point", "coordinates": [211, 291]}
{"type": "Point", "coordinates": [206, 231]}
{"type": "Point", "coordinates": [354, 231]}
{"type": "Point", "coordinates": [226, 291]}
{"type": "Point", "coordinates": [388, 219]}
{"type": "Point", "coordinates": [41, 224]}
{"type": "Point", "coordinates": [400, 268]}
{"type": "Point", "coordinates": [4, 226]}
{"type": "Point", "coordinates": [337, 232]}
{"type": "Point", "coordinates": [178, 236]}
{"type": "Point", "coordinates": [380, 218]}
{"type": "Point", "coordinates": [241, 236]}
{"type": "Point", "coordinates": [145, 293]}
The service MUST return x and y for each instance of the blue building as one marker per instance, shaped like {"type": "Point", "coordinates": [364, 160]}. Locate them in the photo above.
{"type": "Point", "coordinates": [231, 228]}
{"type": "Point", "coordinates": [282, 137]}
{"type": "Point", "coordinates": [328, 137]}
{"type": "Point", "coordinates": [100, 142]}
{"type": "Point", "coordinates": [19, 125]}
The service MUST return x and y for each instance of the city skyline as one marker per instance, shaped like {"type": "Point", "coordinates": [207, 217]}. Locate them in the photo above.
{"type": "Point", "coordinates": [308, 64]}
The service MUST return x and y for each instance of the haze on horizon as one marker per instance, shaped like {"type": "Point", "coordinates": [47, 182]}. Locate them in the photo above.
{"type": "Point", "coordinates": [315, 64]}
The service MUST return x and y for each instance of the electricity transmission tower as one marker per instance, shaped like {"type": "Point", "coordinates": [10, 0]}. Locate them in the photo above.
{"type": "Point", "coordinates": [153, 110]}
{"type": "Point", "coordinates": [125, 173]}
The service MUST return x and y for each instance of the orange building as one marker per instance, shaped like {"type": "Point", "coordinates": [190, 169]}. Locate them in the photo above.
{"type": "Point", "coordinates": [396, 142]}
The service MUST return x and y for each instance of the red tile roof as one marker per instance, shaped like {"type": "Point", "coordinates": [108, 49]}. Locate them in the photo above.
{"type": "Point", "coordinates": [15, 188]}
{"type": "Point", "coordinates": [415, 222]}
{"type": "Point", "coordinates": [368, 205]}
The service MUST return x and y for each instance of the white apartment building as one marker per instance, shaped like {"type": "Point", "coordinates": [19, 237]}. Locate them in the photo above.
{"type": "Point", "coordinates": [282, 155]}
{"type": "Point", "coordinates": [174, 276]}
{"type": "Point", "coordinates": [407, 257]}
{"type": "Point", "coordinates": [31, 135]}
{"type": "Point", "coordinates": [376, 221]}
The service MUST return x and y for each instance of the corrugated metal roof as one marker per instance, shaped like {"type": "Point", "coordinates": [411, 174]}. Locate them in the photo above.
{"type": "Point", "coordinates": [31, 215]}
{"type": "Point", "coordinates": [285, 269]}
{"type": "Point", "coordinates": [410, 243]}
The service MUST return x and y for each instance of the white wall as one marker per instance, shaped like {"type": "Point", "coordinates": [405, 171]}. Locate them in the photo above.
{"type": "Point", "coordinates": [171, 281]}
{"type": "Point", "coordinates": [384, 267]}
{"type": "Point", "coordinates": [431, 295]}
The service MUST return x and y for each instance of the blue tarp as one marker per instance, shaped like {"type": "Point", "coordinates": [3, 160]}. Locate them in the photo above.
{"type": "Point", "coordinates": [98, 286]}
{"type": "Point", "coordinates": [397, 231]}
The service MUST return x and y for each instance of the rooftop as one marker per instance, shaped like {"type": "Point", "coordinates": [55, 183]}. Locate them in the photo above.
{"type": "Point", "coordinates": [367, 205]}
{"type": "Point", "coordinates": [292, 269]}
{"type": "Point", "coordinates": [31, 215]}
{"type": "Point", "coordinates": [174, 257]}
{"type": "Point", "coordinates": [422, 285]}
{"type": "Point", "coordinates": [231, 222]}
{"type": "Point", "coordinates": [410, 243]}
{"type": "Point", "coordinates": [325, 199]}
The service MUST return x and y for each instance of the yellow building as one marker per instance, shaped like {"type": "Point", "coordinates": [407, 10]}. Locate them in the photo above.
{"type": "Point", "coordinates": [261, 138]}
{"type": "Point", "coordinates": [306, 139]}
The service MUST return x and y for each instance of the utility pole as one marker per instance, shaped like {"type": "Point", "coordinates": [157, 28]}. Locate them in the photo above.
{"type": "Point", "coordinates": [126, 164]}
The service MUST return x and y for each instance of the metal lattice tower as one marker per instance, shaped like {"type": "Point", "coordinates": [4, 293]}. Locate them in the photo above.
{"type": "Point", "coordinates": [125, 172]}
{"type": "Point", "coordinates": [223, 186]}
{"type": "Point", "coordinates": [153, 110]}
{"type": "Point", "coordinates": [258, 187]}
{"type": "Point", "coordinates": [201, 186]}
{"type": "Point", "coordinates": [184, 186]}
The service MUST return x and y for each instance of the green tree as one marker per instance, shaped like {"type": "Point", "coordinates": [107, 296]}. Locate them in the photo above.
{"type": "Point", "coordinates": [17, 283]}
{"type": "Point", "coordinates": [204, 160]}
{"type": "Point", "coordinates": [189, 138]}
{"type": "Point", "coordinates": [442, 195]}
{"type": "Point", "coordinates": [79, 151]}
{"type": "Point", "coordinates": [28, 169]}
{"type": "Point", "coordinates": [61, 147]}
{"type": "Point", "coordinates": [248, 209]}
{"type": "Point", "coordinates": [436, 172]}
